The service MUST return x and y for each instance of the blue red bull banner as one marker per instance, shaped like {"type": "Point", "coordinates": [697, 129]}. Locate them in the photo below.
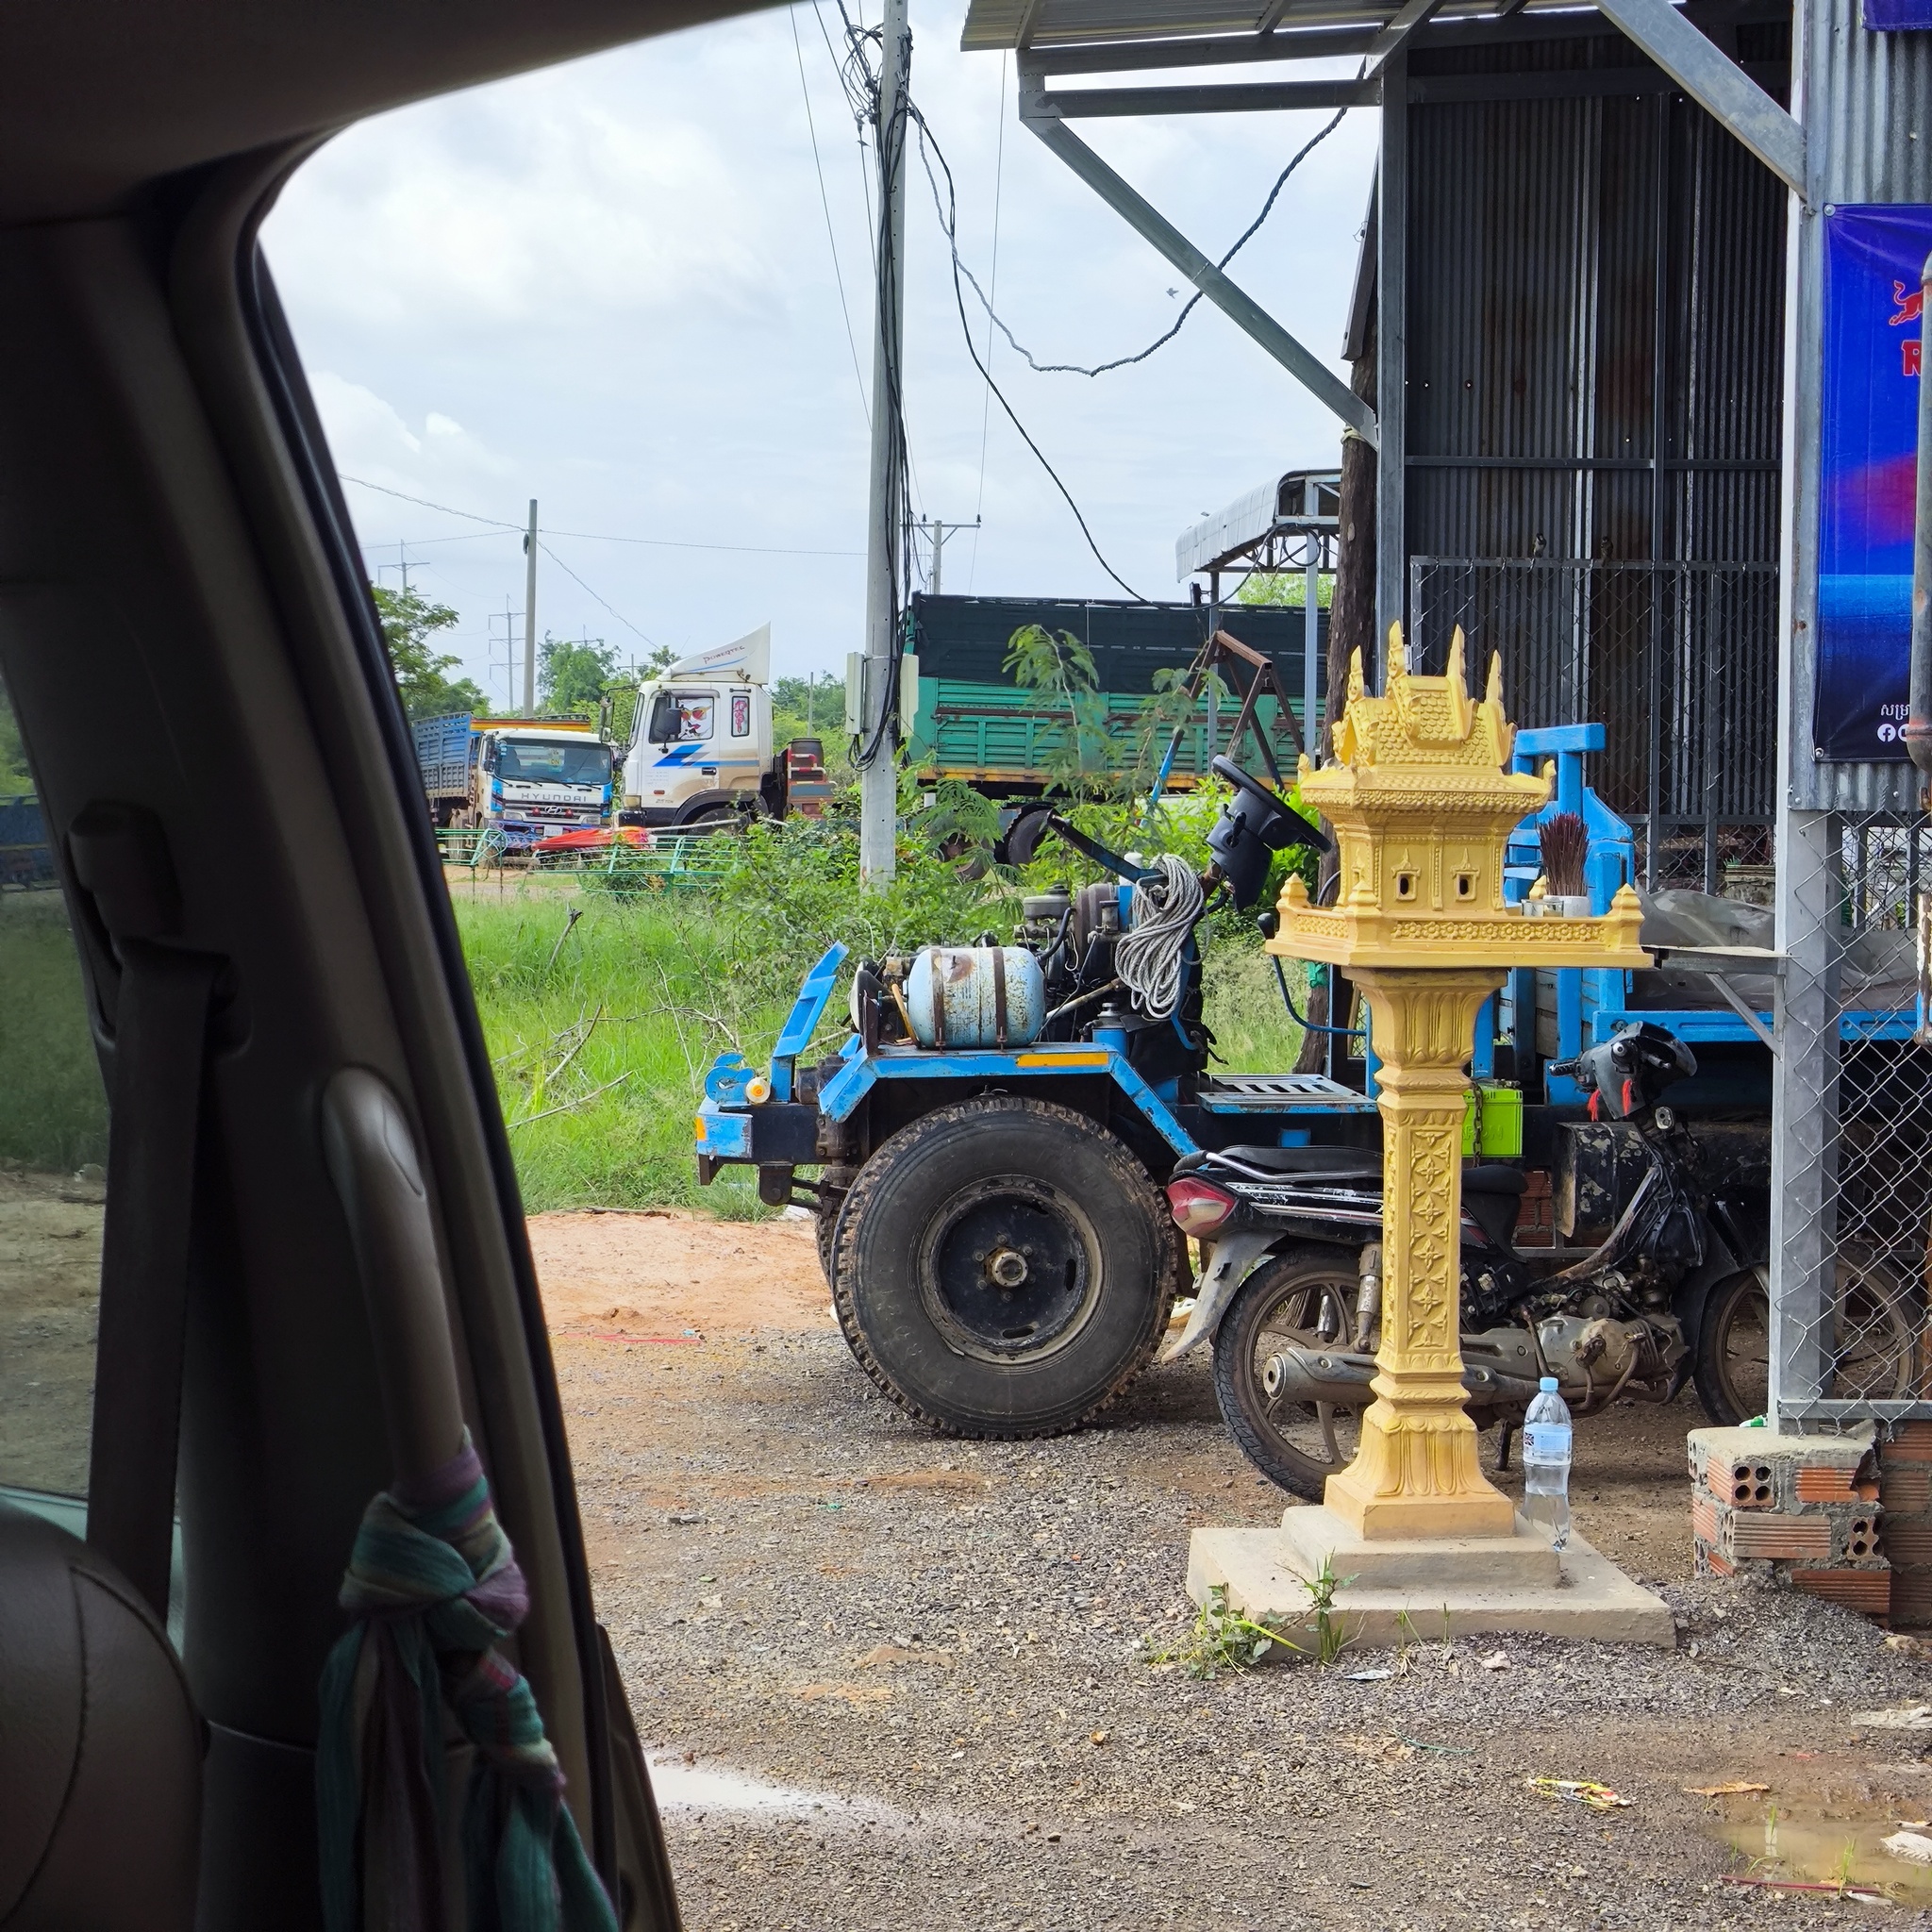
{"type": "Point", "coordinates": [1896, 16]}
{"type": "Point", "coordinates": [1867, 469]}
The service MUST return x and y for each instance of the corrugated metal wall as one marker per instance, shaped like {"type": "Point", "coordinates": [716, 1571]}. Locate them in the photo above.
{"type": "Point", "coordinates": [1541, 235]}
{"type": "Point", "coordinates": [1595, 341]}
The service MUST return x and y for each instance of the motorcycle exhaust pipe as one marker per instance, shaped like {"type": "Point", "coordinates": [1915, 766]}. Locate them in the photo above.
{"type": "Point", "coordinates": [1341, 1381]}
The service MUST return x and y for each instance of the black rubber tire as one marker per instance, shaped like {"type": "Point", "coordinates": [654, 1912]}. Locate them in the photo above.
{"type": "Point", "coordinates": [1735, 1309]}
{"type": "Point", "coordinates": [906, 1232]}
{"type": "Point", "coordinates": [1244, 1403]}
{"type": "Point", "coordinates": [1873, 1344]}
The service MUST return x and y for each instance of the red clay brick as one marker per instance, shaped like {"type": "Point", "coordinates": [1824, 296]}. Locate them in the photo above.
{"type": "Point", "coordinates": [1744, 1485]}
{"type": "Point", "coordinates": [1713, 1562]}
{"type": "Point", "coordinates": [1820, 1483]}
{"type": "Point", "coordinates": [1908, 1542]}
{"type": "Point", "coordinates": [1704, 1520]}
{"type": "Point", "coordinates": [1760, 1534]}
{"type": "Point", "coordinates": [1911, 1598]}
{"type": "Point", "coordinates": [1868, 1592]}
{"type": "Point", "coordinates": [1906, 1490]}
{"type": "Point", "coordinates": [1909, 1442]}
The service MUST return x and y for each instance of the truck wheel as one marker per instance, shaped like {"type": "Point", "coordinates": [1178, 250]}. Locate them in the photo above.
{"type": "Point", "coordinates": [835, 1183]}
{"type": "Point", "coordinates": [1004, 1268]}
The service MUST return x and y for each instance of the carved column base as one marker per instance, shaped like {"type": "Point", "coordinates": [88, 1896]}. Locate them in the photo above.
{"type": "Point", "coordinates": [1415, 1472]}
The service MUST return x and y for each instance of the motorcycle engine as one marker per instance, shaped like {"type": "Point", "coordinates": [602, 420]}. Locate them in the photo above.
{"type": "Point", "coordinates": [1598, 1353]}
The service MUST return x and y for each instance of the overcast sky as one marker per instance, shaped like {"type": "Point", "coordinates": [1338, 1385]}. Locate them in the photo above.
{"type": "Point", "coordinates": [610, 286]}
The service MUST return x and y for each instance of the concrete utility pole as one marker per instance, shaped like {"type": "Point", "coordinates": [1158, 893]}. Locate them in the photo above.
{"type": "Point", "coordinates": [938, 532]}
{"type": "Point", "coordinates": [879, 781]}
{"type": "Point", "coordinates": [530, 614]}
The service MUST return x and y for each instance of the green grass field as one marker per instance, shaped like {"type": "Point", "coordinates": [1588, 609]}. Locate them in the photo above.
{"type": "Point", "coordinates": [53, 1109]}
{"type": "Point", "coordinates": [601, 1029]}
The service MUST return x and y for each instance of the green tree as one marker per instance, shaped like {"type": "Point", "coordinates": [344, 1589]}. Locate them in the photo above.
{"type": "Point", "coordinates": [574, 673]}
{"type": "Point", "coordinates": [409, 622]}
{"type": "Point", "coordinates": [1082, 757]}
{"type": "Point", "coordinates": [1289, 588]}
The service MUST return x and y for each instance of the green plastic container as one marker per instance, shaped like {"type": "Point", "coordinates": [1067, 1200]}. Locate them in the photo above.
{"type": "Point", "coordinates": [1501, 1118]}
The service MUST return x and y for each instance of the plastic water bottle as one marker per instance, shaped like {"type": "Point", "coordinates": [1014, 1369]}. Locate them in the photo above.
{"type": "Point", "coordinates": [1546, 1463]}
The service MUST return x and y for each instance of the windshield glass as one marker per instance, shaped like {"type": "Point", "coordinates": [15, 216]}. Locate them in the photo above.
{"type": "Point", "coordinates": [534, 761]}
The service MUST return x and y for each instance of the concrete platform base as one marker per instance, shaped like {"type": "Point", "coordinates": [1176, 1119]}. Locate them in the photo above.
{"type": "Point", "coordinates": [1405, 1592]}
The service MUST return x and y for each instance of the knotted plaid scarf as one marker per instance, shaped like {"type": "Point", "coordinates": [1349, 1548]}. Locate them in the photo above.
{"type": "Point", "coordinates": [432, 1585]}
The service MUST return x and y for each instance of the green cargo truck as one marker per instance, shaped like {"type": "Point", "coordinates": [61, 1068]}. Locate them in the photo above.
{"type": "Point", "coordinates": [975, 723]}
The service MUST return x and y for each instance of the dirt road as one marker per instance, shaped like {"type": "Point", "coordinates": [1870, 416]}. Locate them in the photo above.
{"type": "Point", "coordinates": [893, 1680]}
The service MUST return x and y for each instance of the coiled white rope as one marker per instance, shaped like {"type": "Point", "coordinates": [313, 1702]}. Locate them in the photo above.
{"type": "Point", "coordinates": [1148, 958]}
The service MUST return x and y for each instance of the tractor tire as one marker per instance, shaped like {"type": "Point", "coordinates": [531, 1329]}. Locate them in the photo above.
{"type": "Point", "coordinates": [1004, 1268]}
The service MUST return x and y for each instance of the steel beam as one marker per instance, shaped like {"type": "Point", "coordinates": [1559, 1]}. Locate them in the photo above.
{"type": "Point", "coordinates": [1410, 15]}
{"type": "Point", "coordinates": [1332, 43]}
{"type": "Point", "coordinates": [1391, 357]}
{"type": "Point", "coordinates": [1244, 97]}
{"type": "Point", "coordinates": [1235, 303]}
{"type": "Point", "coordinates": [1716, 83]}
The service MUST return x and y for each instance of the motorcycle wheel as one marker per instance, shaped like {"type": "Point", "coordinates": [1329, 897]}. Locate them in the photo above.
{"type": "Point", "coordinates": [1305, 1298]}
{"type": "Point", "coordinates": [1872, 1341]}
{"type": "Point", "coordinates": [1733, 1370]}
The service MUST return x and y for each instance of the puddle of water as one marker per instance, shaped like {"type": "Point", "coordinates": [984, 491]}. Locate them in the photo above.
{"type": "Point", "coordinates": [692, 1790]}
{"type": "Point", "coordinates": [1829, 1836]}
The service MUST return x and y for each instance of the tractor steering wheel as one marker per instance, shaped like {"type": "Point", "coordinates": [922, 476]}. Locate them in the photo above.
{"type": "Point", "coordinates": [1301, 832]}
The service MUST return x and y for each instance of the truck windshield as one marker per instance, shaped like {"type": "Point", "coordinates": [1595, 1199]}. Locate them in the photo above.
{"type": "Point", "coordinates": [533, 761]}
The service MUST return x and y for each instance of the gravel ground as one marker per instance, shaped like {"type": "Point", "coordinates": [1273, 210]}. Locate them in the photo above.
{"type": "Point", "coordinates": [937, 1642]}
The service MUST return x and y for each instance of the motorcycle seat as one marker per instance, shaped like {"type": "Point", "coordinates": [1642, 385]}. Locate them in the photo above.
{"type": "Point", "coordinates": [1493, 1180]}
{"type": "Point", "coordinates": [1333, 1164]}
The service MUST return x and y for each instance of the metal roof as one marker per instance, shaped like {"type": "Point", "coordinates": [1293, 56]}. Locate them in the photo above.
{"type": "Point", "coordinates": [1042, 24]}
{"type": "Point", "coordinates": [1251, 518]}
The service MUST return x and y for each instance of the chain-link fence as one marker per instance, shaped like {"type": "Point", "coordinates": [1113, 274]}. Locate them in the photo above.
{"type": "Point", "coordinates": [1852, 1201]}
{"type": "Point", "coordinates": [1676, 661]}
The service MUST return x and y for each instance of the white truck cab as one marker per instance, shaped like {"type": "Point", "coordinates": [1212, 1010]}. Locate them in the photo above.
{"type": "Point", "coordinates": [534, 778]}
{"type": "Point", "coordinates": [701, 746]}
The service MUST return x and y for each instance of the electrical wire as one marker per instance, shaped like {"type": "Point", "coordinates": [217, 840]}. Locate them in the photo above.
{"type": "Point", "coordinates": [948, 221]}
{"type": "Point", "coordinates": [825, 202]}
{"type": "Point", "coordinates": [592, 535]}
{"type": "Point", "coordinates": [1148, 956]}
{"type": "Point", "coordinates": [1194, 301]}
{"type": "Point", "coordinates": [586, 589]}
{"type": "Point", "coordinates": [495, 522]}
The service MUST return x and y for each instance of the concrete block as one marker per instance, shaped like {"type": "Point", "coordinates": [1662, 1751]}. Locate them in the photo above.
{"type": "Point", "coordinates": [1591, 1599]}
{"type": "Point", "coordinates": [1312, 1537]}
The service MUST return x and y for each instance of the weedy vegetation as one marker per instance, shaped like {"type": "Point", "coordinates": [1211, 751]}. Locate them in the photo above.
{"type": "Point", "coordinates": [605, 994]}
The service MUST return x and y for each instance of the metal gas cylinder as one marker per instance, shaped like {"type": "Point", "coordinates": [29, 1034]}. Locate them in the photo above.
{"type": "Point", "coordinates": [976, 996]}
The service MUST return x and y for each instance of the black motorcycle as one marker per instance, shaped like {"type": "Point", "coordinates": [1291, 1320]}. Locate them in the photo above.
{"type": "Point", "coordinates": [1672, 1288]}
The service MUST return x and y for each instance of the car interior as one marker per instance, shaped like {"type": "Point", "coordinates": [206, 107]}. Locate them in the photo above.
{"type": "Point", "coordinates": [314, 1275]}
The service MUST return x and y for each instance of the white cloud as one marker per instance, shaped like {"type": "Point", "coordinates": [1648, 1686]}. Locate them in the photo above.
{"type": "Point", "coordinates": [608, 285]}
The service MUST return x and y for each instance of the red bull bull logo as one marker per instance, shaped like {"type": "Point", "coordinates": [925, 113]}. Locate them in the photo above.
{"type": "Point", "coordinates": [1908, 305]}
